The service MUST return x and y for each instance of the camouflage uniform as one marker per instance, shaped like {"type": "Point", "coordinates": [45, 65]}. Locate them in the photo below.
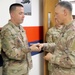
{"type": "Point", "coordinates": [52, 36]}
{"type": "Point", "coordinates": [63, 60]}
{"type": "Point", "coordinates": [16, 53]}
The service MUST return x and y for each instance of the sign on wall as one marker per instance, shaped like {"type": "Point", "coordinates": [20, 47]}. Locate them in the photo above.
{"type": "Point", "coordinates": [27, 6]}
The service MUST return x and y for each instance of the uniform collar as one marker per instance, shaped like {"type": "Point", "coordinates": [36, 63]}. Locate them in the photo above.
{"type": "Point", "coordinates": [13, 25]}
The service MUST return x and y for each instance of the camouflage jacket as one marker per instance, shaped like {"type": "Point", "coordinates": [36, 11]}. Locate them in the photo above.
{"type": "Point", "coordinates": [53, 34]}
{"type": "Point", "coordinates": [63, 60]}
{"type": "Point", "coordinates": [16, 54]}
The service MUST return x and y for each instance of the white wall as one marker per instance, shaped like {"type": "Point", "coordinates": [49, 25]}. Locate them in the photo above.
{"type": "Point", "coordinates": [73, 5]}
{"type": "Point", "coordinates": [38, 66]}
{"type": "Point", "coordinates": [4, 11]}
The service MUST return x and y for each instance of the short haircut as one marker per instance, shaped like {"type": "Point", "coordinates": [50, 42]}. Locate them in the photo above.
{"type": "Point", "coordinates": [13, 6]}
{"type": "Point", "coordinates": [66, 5]}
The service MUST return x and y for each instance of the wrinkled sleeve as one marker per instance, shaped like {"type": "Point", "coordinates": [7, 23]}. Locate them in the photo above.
{"type": "Point", "coordinates": [48, 47]}
{"type": "Point", "coordinates": [49, 36]}
{"type": "Point", "coordinates": [12, 46]}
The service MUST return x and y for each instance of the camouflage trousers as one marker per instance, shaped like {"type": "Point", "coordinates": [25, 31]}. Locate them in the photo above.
{"type": "Point", "coordinates": [57, 70]}
{"type": "Point", "coordinates": [62, 72]}
{"type": "Point", "coordinates": [13, 74]}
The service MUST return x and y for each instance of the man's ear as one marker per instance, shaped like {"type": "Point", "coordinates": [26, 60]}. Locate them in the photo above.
{"type": "Point", "coordinates": [12, 14]}
{"type": "Point", "coordinates": [65, 12]}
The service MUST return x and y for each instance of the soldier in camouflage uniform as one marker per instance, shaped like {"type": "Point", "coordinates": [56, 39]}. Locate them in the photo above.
{"type": "Point", "coordinates": [15, 50]}
{"type": "Point", "coordinates": [63, 58]}
{"type": "Point", "coordinates": [52, 36]}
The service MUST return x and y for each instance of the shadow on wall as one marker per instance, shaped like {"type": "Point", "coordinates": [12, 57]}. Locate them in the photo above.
{"type": "Point", "coordinates": [41, 64]}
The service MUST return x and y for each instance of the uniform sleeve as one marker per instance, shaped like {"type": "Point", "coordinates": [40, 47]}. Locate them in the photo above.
{"type": "Point", "coordinates": [49, 47]}
{"type": "Point", "coordinates": [49, 36]}
{"type": "Point", "coordinates": [12, 46]}
{"type": "Point", "coordinates": [66, 58]}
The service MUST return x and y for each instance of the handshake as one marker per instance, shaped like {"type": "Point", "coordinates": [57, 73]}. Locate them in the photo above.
{"type": "Point", "coordinates": [36, 47]}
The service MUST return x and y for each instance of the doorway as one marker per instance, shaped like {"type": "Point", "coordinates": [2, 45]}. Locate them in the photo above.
{"type": "Point", "coordinates": [48, 21]}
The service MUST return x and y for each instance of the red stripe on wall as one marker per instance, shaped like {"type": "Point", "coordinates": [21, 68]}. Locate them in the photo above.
{"type": "Point", "coordinates": [34, 33]}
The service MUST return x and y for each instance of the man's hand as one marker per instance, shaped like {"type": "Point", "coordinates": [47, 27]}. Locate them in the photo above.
{"type": "Point", "coordinates": [35, 47]}
{"type": "Point", "coordinates": [48, 56]}
{"type": "Point", "coordinates": [39, 45]}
